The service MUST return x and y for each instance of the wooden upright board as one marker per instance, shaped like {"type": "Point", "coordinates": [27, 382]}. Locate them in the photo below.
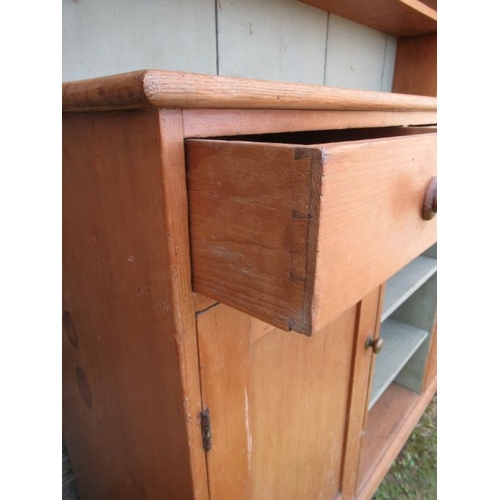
{"type": "Point", "coordinates": [415, 71]}
{"type": "Point", "coordinates": [130, 384]}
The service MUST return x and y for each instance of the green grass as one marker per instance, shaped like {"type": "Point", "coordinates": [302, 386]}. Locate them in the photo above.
{"type": "Point", "coordinates": [413, 475]}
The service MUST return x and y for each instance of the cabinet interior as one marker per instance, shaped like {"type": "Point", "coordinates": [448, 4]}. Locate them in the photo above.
{"type": "Point", "coordinates": [407, 319]}
{"type": "Point", "coordinates": [407, 327]}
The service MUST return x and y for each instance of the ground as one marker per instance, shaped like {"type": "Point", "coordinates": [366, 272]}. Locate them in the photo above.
{"type": "Point", "coordinates": [413, 476]}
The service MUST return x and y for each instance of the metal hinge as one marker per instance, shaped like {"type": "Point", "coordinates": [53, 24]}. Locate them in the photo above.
{"type": "Point", "coordinates": [206, 431]}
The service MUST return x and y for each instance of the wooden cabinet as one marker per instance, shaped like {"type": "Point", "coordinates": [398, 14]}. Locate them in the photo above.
{"type": "Point", "coordinates": [232, 248]}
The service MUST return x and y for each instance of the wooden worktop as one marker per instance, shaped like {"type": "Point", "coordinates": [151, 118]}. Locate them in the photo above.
{"type": "Point", "coordinates": [172, 89]}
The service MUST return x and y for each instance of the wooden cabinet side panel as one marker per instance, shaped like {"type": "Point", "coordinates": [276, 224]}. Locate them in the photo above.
{"type": "Point", "coordinates": [129, 409]}
{"type": "Point", "coordinates": [278, 404]}
{"type": "Point", "coordinates": [415, 70]}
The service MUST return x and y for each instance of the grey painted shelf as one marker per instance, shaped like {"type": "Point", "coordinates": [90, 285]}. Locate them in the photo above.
{"type": "Point", "coordinates": [407, 281]}
{"type": "Point", "coordinates": [400, 343]}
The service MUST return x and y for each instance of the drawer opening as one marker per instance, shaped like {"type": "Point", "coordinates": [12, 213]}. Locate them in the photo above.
{"type": "Point", "coordinates": [332, 136]}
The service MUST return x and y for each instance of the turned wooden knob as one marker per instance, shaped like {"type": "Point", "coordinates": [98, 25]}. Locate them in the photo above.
{"type": "Point", "coordinates": [375, 344]}
{"type": "Point", "coordinates": [430, 206]}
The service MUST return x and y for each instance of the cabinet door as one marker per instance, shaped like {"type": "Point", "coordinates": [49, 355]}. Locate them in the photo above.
{"type": "Point", "coordinates": [278, 403]}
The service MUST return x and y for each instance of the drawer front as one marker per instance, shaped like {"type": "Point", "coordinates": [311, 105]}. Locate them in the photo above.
{"type": "Point", "coordinates": [295, 234]}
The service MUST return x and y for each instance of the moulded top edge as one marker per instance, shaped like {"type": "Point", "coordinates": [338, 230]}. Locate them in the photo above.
{"type": "Point", "coordinates": [172, 89]}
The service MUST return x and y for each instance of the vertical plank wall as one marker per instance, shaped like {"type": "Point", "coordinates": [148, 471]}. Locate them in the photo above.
{"type": "Point", "coordinates": [283, 40]}
{"type": "Point", "coordinates": [105, 37]}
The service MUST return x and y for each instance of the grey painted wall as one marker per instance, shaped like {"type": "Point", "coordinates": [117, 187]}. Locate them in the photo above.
{"type": "Point", "coordinates": [282, 40]}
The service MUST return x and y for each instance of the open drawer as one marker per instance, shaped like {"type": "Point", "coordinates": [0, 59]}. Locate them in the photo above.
{"type": "Point", "coordinates": [296, 228]}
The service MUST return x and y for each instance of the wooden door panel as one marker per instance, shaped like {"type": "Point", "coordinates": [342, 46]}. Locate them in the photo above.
{"type": "Point", "coordinates": [278, 404]}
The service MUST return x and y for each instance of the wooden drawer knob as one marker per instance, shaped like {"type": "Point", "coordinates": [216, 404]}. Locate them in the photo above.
{"type": "Point", "coordinates": [430, 206]}
{"type": "Point", "coordinates": [375, 344]}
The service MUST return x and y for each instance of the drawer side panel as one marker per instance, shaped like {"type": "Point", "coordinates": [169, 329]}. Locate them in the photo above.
{"type": "Point", "coordinates": [250, 227]}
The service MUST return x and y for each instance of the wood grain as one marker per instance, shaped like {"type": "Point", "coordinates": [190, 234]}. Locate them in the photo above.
{"type": "Point", "coordinates": [415, 70]}
{"type": "Point", "coordinates": [396, 17]}
{"type": "Point", "coordinates": [178, 283]}
{"type": "Point", "coordinates": [368, 325]}
{"type": "Point", "coordinates": [233, 199]}
{"type": "Point", "coordinates": [130, 387]}
{"type": "Point", "coordinates": [295, 234]}
{"type": "Point", "coordinates": [170, 89]}
{"type": "Point", "coordinates": [277, 403]}
{"type": "Point", "coordinates": [215, 122]}
{"type": "Point", "coordinates": [370, 224]}
{"type": "Point", "coordinates": [430, 3]}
